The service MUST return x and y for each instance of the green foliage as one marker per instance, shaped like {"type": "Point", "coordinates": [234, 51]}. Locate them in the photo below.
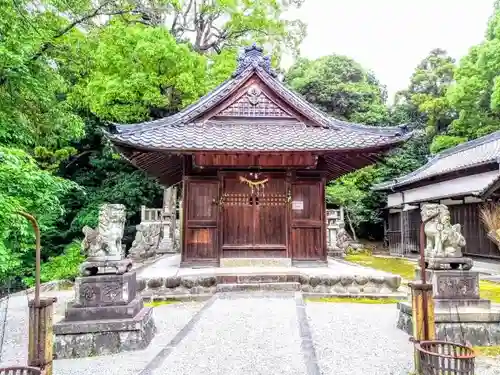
{"type": "Point", "coordinates": [137, 72]}
{"type": "Point", "coordinates": [426, 93]}
{"type": "Point", "coordinates": [61, 267]}
{"type": "Point", "coordinates": [32, 90]}
{"type": "Point", "coordinates": [442, 142]}
{"type": "Point", "coordinates": [25, 187]}
{"type": "Point", "coordinates": [341, 87]}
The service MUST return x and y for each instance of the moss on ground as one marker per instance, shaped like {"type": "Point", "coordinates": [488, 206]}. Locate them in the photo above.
{"type": "Point", "coordinates": [161, 303]}
{"type": "Point", "coordinates": [406, 269]}
{"type": "Point", "coordinates": [369, 301]}
{"type": "Point", "coordinates": [487, 351]}
{"type": "Point", "coordinates": [490, 290]}
{"type": "Point", "coordinates": [398, 266]}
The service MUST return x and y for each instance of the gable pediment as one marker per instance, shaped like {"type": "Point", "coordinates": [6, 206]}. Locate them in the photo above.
{"type": "Point", "coordinates": [254, 102]}
{"type": "Point", "coordinates": [254, 99]}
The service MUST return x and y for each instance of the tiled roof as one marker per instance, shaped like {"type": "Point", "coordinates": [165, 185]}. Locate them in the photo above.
{"type": "Point", "coordinates": [466, 155]}
{"type": "Point", "coordinates": [178, 132]}
{"type": "Point", "coordinates": [251, 135]}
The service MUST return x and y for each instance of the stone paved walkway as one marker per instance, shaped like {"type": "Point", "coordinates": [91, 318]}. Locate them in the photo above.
{"type": "Point", "coordinates": [169, 266]}
{"type": "Point", "coordinates": [249, 334]}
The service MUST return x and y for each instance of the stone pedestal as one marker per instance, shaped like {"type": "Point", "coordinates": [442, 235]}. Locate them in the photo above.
{"type": "Point", "coordinates": [460, 314]}
{"type": "Point", "coordinates": [106, 317]}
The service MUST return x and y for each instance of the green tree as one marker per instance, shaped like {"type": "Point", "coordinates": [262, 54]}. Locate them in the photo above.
{"type": "Point", "coordinates": [341, 87]}
{"type": "Point", "coordinates": [138, 72]}
{"type": "Point", "coordinates": [426, 98]}
{"type": "Point", "coordinates": [476, 94]}
{"type": "Point", "coordinates": [25, 187]}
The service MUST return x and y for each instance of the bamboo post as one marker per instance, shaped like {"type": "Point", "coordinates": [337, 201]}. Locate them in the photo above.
{"type": "Point", "coordinates": [422, 304]}
{"type": "Point", "coordinates": [40, 343]}
{"type": "Point", "coordinates": [40, 340]}
{"type": "Point", "coordinates": [423, 316]}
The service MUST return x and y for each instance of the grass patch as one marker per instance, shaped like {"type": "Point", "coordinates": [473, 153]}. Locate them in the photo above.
{"type": "Point", "coordinates": [368, 301]}
{"type": "Point", "coordinates": [487, 351]}
{"type": "Point", "coordinates": [490, 290]}
{"type": "Point", "coordinates": [161, 303]}
{"type": "Point", "coordinates": [398, 266]}
{"type": "Point", "coordinates": [406, 269]}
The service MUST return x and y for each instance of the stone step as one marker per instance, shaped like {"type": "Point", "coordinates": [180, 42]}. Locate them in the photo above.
{"type": "Point", "coordinates": [256, 262]}
{"type": "Point", "coordinates": [249, 287]}
{"type": "Point", "coordinates": [257, 278]}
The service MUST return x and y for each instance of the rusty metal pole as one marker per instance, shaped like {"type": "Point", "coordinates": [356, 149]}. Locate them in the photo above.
{"type": "Point", "coordinates": [422, 302]}
{"type": "Point", "coordinates": [40, 315]}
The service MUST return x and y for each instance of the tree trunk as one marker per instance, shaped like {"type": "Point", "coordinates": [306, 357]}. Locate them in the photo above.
{"type": "Point", "coordinates": [354, 237]}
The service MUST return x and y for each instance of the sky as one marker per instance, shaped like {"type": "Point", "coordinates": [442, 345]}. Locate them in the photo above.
{"type": "Point", "coordinates": [390, 37]}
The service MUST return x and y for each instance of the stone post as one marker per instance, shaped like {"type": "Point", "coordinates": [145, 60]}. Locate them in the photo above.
{"type": "Point", "coordinates": [423, 316]}
{"type": "Point", "coordinates": [40, 340]}
{"type": "Point", "coordinates": [166, 244]}
{"type": "Point", "coordinates": [173, 215]}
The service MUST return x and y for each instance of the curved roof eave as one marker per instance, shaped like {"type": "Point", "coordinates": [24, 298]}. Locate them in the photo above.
{"type": "Point", "coordinates": [412, 177]}
{"type": "Point", "coordinates": [221, 92]}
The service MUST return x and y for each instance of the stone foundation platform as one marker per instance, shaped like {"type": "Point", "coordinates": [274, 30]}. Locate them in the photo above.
{"type": "Point", "coordinates": [101, 337]}
{"type": "Point", "coordinates": [479, 327]}
{"type": "Point", "coordinates": [255, 262]}
{"type": "Point", "coordinates": [106, 317]}
{"type": "Point", "coordinates": [326, 284]}
{"type": "Point", "coordinates": [459, 312]}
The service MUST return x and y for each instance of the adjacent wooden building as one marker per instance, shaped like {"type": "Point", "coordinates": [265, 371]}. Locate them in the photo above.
{"type": "Point", "coordinates": [464, 178]}
{"type": "Point", "coordinates": [254, 158]}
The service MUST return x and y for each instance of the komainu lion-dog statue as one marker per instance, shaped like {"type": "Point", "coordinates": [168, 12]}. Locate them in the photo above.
{"type": "Point", "coordinates": [443, 240]}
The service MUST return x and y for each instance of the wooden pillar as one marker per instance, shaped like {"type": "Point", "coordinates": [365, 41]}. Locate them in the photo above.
{"type": "Point", "coordinates": [423, 315]}
{"type": "Point", "coordinates": [40, 342]}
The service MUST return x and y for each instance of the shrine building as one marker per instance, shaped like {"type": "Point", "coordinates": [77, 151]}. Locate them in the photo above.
{"type": "Point", "coordinates": [254, 158]}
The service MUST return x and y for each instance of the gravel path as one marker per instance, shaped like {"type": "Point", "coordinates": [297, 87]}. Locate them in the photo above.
{"type": "Point", "coordinates": [359, 339]}
{"type": "Point", "coordinates": [241, 336]}
{"type": "Point", "coordinates": [169, 320]}
{"type": "Point", "coordinates": [248, 334]}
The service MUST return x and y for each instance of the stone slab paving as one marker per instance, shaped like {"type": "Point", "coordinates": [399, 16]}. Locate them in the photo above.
{"type": "Point", "coordinates": [169, 266]}
{"type": "Point", "coordinates": [248, 335]}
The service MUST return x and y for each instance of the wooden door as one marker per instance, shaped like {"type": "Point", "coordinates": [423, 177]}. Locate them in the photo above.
{"type": "Point", "coordinates": [254, 217]}
{"type": "Point", "coordinates": [201, 214]}
{"type": "Point", "coordinates": [307, 220]}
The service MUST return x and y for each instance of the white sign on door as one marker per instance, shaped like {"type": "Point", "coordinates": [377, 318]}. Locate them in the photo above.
{"type": "Point", "coordinates": [297, 205]}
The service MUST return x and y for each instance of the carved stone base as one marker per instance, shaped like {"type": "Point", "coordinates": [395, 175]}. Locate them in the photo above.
{"type": "Point", "coordinates": [476, 325]}
{"type": "Point", "coordinates": [106, 317]}
{"type": "Point", "coordinates": [102, 337]}
{"type": "Point", "coordinates": [452, 284]}
{"type": "Point", "coordinates": [437, 263]}
{"type": "Point", "coordinates": [93, 267]}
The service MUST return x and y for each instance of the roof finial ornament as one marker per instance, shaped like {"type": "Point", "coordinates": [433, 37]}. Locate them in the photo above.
{"type": "Point", "coordinates": [253, 56]}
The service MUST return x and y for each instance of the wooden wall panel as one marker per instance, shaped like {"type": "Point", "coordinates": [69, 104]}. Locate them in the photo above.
{"type": "Point", "coordinates": [237, 213]}
{"type": "Point", "coordinates": [307, 243]}
{"type": "Point", "coordinates": [263, 160]}
{"type": "Point", "coordinates": [201, 217]}
{"type": "Point", "coordinates": [477, 241]}
{"type": "Point", "coordinates": [200, 243]}
{"type": "Point", "coordinates": [254, 222]}
{"type": "Point", "coordinates": [308, 236]}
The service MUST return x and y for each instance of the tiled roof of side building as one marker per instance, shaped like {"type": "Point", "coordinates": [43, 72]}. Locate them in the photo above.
{"type": "Point", "coordinates": [154, 134]}
{"type": "Point", "coordinates": [469, 154]}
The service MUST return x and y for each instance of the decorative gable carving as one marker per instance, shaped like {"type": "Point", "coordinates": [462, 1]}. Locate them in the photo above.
{"type": "Point", "coordinates": [254, 103]}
